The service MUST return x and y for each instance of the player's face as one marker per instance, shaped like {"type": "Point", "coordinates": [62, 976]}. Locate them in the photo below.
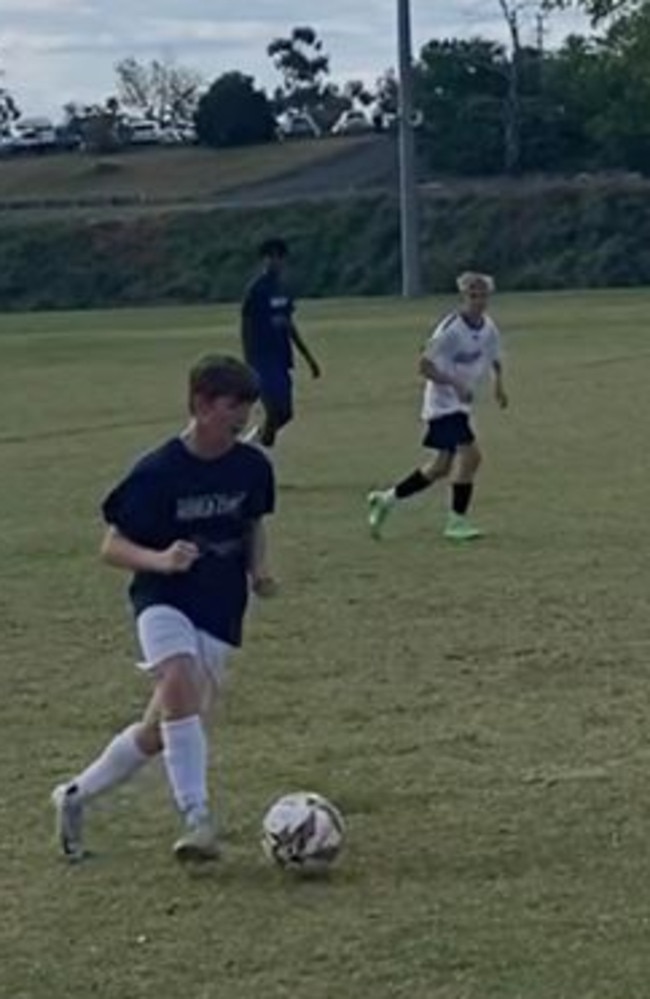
{"type": "Point", "coordinates": [275, 263]}
{"type": "Point", "coordinates": [222, 419]}
{"type": "Point", "coordinates": [476, 300]}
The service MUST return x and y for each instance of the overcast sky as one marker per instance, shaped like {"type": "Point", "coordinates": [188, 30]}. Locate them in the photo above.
{"type": "Point", "coordinates": [59, 50]}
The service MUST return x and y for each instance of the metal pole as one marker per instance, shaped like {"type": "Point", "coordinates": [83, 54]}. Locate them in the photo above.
{"type": "Point", "coordinates": [408, 178]}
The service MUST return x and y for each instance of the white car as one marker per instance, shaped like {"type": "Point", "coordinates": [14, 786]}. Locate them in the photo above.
{"type": "Point", "coordinates": [33, 133]}
{"type": "Point", "coordinates": [144, 133]}
{"type": "Point", "coordinates": [351, 123]}
{"type": "Point", "coordinates": [297, 125]}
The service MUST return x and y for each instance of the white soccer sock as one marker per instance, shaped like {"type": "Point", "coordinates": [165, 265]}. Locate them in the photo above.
{"type": "Point", "coordinates": [119, 761]}
{"type": "Point", "coordinates": [186, 762]}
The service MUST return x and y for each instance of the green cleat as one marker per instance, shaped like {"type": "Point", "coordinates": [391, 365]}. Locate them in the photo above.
{"type": "Point", "coordinates": [459, 529]}
{"type": "Point", "coordinates": [379, 506]}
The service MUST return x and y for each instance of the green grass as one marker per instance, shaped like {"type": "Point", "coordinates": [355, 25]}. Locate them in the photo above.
{"type": "Point", "coordinates": [157, 174]}
{"type": "Point", "coordinates": [480, 715]}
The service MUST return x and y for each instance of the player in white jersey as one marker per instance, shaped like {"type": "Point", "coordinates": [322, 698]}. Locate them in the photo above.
{"type": "Point", "coordinates": [463, 349]}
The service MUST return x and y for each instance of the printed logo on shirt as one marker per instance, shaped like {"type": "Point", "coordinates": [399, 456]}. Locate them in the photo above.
{"type": "Point", "coordinates": [468, 357]}
{"type": "Point", "coordinates": [208, 506]}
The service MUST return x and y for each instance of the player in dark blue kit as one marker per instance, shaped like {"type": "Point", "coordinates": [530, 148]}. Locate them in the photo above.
{"type": "Point", "coordinates": [269, 336]}
{"type": "Point", "coordinates": [187, 521]}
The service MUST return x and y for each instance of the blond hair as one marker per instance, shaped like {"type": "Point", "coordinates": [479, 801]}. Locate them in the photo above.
{"type": "Point", "coordinates": [471, 279]}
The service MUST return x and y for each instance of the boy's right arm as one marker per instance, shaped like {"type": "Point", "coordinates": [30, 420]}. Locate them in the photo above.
{"type": "Point", "coordinates": [118, 551]}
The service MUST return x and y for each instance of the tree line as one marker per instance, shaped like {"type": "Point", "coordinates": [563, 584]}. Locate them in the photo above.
{"type": "Point", "coordinates": [485, 108]}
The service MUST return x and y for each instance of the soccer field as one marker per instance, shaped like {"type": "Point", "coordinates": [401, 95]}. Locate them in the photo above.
{"type": "Point", "coordinates": [479, 714]}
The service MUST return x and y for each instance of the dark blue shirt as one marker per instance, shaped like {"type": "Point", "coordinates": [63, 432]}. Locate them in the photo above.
{"type": "Point", "coordinates": [171, 495]}
{"type": "Point", "coordinates": [268, 309]}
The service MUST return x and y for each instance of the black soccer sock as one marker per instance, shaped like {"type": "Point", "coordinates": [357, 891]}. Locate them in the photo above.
{"type": "Point", "coordinates": [412, 484]}
{"type": "Point", "coordinates": [462, 497]}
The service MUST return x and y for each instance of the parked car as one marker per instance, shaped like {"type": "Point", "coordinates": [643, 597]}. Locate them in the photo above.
{"type": "Point", "coordinates": [178, 135]}
{"type": "Point", "coordinates": [143, 132]}
{"type": "Point", "coordinates": [37, 134]}
{"type": "Point", "coordinates": [297, 125]}
{"type": "Point", "coordinates": [352, 123]}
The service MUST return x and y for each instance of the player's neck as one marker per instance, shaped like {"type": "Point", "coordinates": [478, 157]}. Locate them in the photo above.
{"type": "Point", "coordinates": [474, 320]}
{"type": "Point", "coordinates": [206, 450]}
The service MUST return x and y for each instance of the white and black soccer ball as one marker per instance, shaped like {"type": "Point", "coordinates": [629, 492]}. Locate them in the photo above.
{"type": "Point", "coordinates": [303, 832]}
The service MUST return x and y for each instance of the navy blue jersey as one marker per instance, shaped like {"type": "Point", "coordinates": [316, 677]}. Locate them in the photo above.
{"type": "Point", "coordinates": [171, 495]}
{"type": "Point", "coordinates": [268, 309]}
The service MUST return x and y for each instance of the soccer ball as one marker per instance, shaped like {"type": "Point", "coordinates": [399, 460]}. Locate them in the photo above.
{"type": "Point", "coordinates": [303, 832]}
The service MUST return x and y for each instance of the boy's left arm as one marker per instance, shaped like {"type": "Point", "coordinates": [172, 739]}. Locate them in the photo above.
{"type": "Point", "coordinates": [500, 393]}
{"type": "Point", "coordinates": [262, 580]}
{"type": "Point", "coordinates": [304, 350]}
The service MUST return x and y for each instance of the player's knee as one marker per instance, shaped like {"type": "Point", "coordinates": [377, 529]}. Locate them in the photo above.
{"type": "Point", "coordinates": [178, 687]}
{"type": "Point", "coordinates": [470, 459]}
{"type": "Point", "coordinates": [149, 738]}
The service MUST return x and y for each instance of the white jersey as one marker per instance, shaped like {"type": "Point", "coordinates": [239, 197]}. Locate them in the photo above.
{"type": "Point", "coordinates": [464, 352]}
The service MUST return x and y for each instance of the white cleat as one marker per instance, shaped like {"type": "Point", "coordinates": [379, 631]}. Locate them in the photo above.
{"type": "Point", "coordinates": [69, 821]}
{"type": "Point", "coordinates": [198, 843]}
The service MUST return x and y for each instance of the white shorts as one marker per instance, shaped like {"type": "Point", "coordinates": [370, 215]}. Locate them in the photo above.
{"type": "Point", "coordinates": [164, 632]}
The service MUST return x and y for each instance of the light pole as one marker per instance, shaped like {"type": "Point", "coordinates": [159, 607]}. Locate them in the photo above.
{"type": "Point", "coordinates": [409, 214]}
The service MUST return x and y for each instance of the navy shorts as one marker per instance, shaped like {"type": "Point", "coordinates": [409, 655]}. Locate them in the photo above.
{"type": "Point", "coordinates": [276, 391]}
{"type": "Point", "coordinates": [448, 433]}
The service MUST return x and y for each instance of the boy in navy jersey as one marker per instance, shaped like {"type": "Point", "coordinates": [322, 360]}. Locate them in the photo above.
{"type": "Point", "coordinates": [269, 335]}
{"type": "Point", "coordinates": [462, 350]}
{"type": "Point", "coordinates": [187, 521]}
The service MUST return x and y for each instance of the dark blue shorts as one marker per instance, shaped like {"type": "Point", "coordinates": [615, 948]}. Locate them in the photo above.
{"type": "Point", "coordinates": [276, 391]}
{"type": "Point", "coordinates": [448, 433]}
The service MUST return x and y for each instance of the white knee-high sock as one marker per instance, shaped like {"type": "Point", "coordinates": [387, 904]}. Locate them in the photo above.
{"type": "Point", "coordinates": [116, 764]}
{"type": "Point", "coordinates": [186, 762]}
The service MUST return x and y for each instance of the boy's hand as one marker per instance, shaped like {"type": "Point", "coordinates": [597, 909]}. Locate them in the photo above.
{"type": "Point", "coordinates": [179, 557]}
{"type": "Point", "coordinates": [501, 397]}
{"type": "Point", "coordinates": [315, 368]}
{"type": "Point", "coordinates": [264, 586]}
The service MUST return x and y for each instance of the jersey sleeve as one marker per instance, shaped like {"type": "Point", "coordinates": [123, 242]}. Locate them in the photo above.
{"type": "Point", "coordinates": [261, 499]}
{"type": "Point", "coordinates": [136, 507]}
{"type": "Point", "coordinates": [441, 343]}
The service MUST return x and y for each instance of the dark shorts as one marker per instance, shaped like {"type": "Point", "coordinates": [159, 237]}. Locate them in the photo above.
{"type": "Point", "coordinates": [448, 433]}
{"type": "Point", "coordinates": [276, 391]}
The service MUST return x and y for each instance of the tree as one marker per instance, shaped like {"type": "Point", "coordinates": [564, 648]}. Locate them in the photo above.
{"type": "Point", "coordinates": [597, 10]}
{"type": "Point", "coordinates": [234, 113]}
{"type": "Point", "coordinates": [98, 128]}
{"type": "Point", "coordinates": [387, 93]}
{"type": "Point", "coordinates": [162, 91]}
{"type": "Point", "coordinates": [304, 68]}
{"type": "Point", "coordinates": [460, 86]}
{"type": "Point", "coordinates": [9, 110]}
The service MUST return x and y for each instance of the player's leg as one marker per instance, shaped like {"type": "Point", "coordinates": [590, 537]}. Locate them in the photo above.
{"type": "Point", "coordinates": [277, 400]}
{"type": "Point", "coordinates": [120, 760]}
{"type": "Point", "coordinates": [439, 437]}
{"type": "Point", "coordinates": [185, 753]}
{"type": "Point", "coordinates": [459, 527]}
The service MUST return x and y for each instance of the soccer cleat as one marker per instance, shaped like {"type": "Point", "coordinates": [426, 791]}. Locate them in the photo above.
{"type": "Point", "coordinates": [69, 821]}
{"type": "Point", "coordinates": [198, 843]}
{"type": "Point", "coordinates": [459, 529]}
{"type": "Point", "coordinates": [379, 506]}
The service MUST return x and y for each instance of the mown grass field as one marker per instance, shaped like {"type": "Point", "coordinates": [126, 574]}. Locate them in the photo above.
{"type": "Point", "coordinates": [157, 174]}
{"type": "Point", "coordinates": [480, 715]}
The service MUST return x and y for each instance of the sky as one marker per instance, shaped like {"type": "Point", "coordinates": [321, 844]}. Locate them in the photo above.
{"type": "Point", "coordinates": [54, 51]}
